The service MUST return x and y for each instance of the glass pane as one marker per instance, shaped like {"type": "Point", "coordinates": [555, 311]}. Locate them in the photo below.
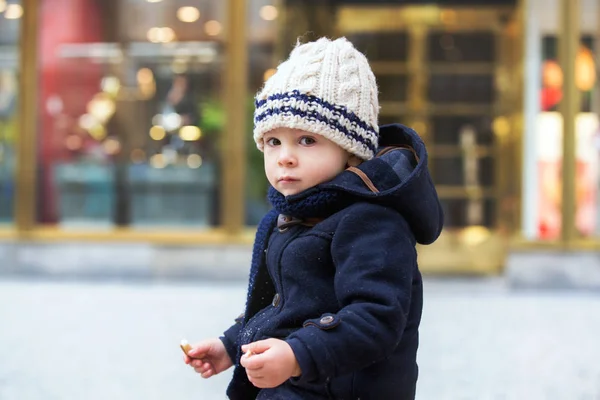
{"type": "Point", "coordinates": [392, 87]}
{"type": "Point", "coordinates": [447, 130]}
{"type": "Point", "coordinates": [549, 143]}
{"type": "Point", "coordinates": [461, 47]}
{"type": "Point", "coordinates": [382, 46]}
{"type": "Point", "coordinates": [131, 113]}
{"type": "Point", "coordinates": [452, 88]}
{"type": "Point", "coordinates": [552, 91]}
{"type": "Point", "coordinates": [587, 175]}
{"type": "Point", "coordinates": [456, 171]}
{"type": "Point", "coordinates": [9, 86]}
{"type": "Point", "coordinates": [460, 213]}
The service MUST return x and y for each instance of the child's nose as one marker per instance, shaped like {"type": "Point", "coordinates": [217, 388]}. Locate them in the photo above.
{"type": "Point", "coordinates": [286, 157]}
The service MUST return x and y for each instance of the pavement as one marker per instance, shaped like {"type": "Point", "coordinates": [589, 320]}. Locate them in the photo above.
{"type": "Point", "coordinates": [547, 270]}
{"type": "Point", "coordinates": [118, 339]}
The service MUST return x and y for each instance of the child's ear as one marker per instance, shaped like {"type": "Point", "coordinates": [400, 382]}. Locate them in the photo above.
{"type": "Point", "coordinates": [354, 161]}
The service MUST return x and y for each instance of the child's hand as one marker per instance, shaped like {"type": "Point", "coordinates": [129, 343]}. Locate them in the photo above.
{"type": "Point", "coordinates": [208, 358]}
{"type": "Point", "coordinates": [269, 363]}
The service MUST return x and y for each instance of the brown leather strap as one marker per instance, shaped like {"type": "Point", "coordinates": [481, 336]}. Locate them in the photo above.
{"type": "Point", "coordinates": [364, 178]}
{"type": "Point", "coordinates": [386, 150]}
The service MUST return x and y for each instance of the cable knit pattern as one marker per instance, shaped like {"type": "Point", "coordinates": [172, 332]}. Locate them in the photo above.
{"type": "Point", "coordinates": [325, 87]}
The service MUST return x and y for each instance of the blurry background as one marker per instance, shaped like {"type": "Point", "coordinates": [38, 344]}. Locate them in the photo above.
{"type": "Point", "coordinates": [132, 119]}
{"type": "Point", "coordinates": [126, 153]}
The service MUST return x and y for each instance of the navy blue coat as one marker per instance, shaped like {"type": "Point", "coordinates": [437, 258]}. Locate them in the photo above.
{"type": "Point", "coordinates": [346, 293]}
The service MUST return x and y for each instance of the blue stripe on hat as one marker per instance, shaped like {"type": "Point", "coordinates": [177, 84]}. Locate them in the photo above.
{"type": "Point", "coordinates": [313, 115]}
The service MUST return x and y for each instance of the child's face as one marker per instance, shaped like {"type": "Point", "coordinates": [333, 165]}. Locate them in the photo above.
{"type": "Point", "coordinates": [297, 160]}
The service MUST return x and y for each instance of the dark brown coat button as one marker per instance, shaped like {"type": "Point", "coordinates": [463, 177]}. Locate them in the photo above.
{"type": "Point", "coordinates": [276, 300]}
{"type": "Point", "coordinates": [282, 219]}
{"type": "Point", "coordinates": [326, 320]}
{"type": "Point", "coordinates": [283, 222]}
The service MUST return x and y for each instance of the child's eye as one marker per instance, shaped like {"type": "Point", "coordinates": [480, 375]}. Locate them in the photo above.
{"type": "Point", "coordinates": [307, 140]}
{"type": "Point", "coordinates": [273, 142]}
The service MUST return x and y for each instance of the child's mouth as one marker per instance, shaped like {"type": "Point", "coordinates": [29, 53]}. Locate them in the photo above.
{"type": "Point", "coordinates": [287, 179]}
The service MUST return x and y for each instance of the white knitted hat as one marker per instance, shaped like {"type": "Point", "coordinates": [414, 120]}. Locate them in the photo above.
{"type": "Point", "coordinates": [325, 87]}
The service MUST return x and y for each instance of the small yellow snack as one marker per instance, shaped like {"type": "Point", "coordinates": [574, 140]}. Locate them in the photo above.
{"type": "Point", "coordinates": [185, 346]}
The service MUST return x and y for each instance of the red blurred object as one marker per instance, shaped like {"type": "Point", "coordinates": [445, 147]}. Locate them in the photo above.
{"type": "Point", "coordinates": [73, 80]}
{"type": "Point", "coordinates": [550, 97]}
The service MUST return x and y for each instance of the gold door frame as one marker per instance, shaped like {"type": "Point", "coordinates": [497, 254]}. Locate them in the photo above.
{"type": "Point", "coordinates": [471, 249]}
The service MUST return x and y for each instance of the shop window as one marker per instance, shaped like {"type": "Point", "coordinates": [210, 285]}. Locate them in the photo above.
{"type": "Point", "coordinates": [549, 145]}
{"type": "Point", "coordinates": [10, 17]}
{"type": "Point", "coordinates": [130, 113]}
{"type": "Point", "coordinates": [461, 93]}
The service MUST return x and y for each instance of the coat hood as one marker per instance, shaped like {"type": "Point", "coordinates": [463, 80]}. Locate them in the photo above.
{"type": "Point", "coordinates": [397, 177]}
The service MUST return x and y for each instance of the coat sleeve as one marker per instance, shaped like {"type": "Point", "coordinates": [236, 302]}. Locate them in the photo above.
{"type": "Point", "coordinates": [375, 259]}
{"type": "Point", "coordinates": [230, 338]}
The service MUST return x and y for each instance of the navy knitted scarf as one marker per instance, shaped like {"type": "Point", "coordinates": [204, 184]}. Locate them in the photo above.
{"type": "Point", "coordinates": [313, 203]}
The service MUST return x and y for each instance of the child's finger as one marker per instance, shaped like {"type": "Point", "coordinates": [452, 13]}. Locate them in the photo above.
{"type": "Point", "coordinates": [205, 368]}
{"type": "Point", "coordinates": [256, 379]}
{"type": "Point", "coordinates": [255, 374]}
{"type": "Point", "coordinates": [202, 366]}
{"type": "Point", "coordinates": [197, 353]}
{"type": "Point", "coordinates": [257, 347]}
{"type": "Point", "coordinates": [207, 374]}
{"type": "Point", "coordinates": [202, 370]}
{"type": "Point", "coordinates": [252, 362]}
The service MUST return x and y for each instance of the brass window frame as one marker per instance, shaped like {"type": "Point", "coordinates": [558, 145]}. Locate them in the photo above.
{"type": "Point", "coordinates": [568, 47]}
{"type": "Point", "coordinates": [26, 143]}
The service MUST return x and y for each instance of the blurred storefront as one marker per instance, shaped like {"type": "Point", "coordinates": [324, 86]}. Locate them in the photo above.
{"type": "Point", "coordinates": [130, 120]}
